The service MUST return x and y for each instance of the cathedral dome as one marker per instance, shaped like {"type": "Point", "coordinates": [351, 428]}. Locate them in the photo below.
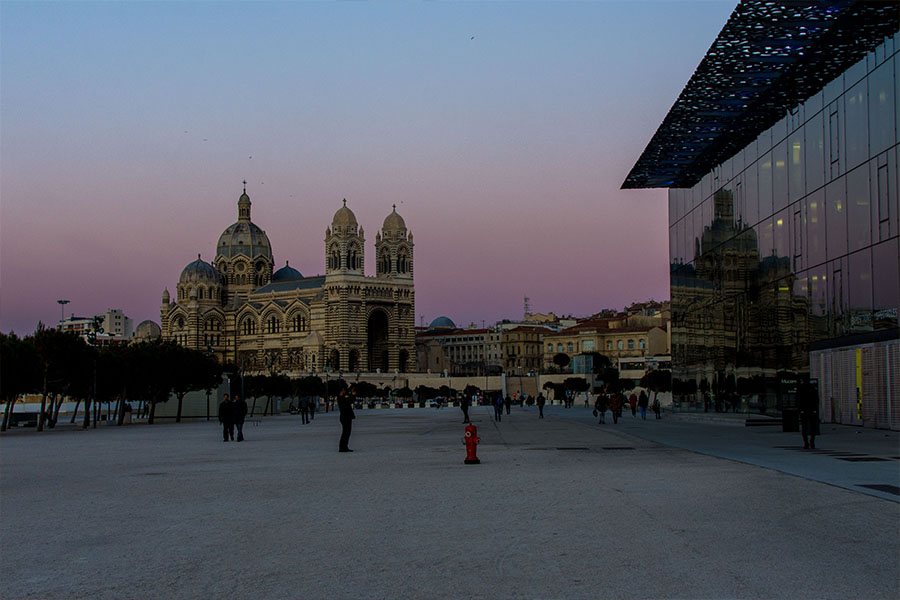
{"type": "Point", "coordinates": [286, 273]}
{"type": "Point", "coordinates": [394, 222]}
{"type": "Point", "coordinates": [200, 272]}
{"type": "Point", "coordinates": [147, 331]}
{"type": "Point", "coordinates": [344, 217]}
{"type": "Point", "coordinates": [244, 237]}
{"type": "Point", "coordinates": [442, 323]}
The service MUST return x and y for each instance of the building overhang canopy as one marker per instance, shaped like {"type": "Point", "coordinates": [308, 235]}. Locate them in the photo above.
{"type": "Point", "coordinates": [769, 57]}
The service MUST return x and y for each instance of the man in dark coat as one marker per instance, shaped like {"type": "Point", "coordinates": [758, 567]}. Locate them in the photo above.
{"type": "Point", "coordinates": [643, 402]}
{"type": "Point", "coordinates": [540, 405]}
{"type": "Point", "coordinates": [507, 402]}
{"type": "Point", "coordinates": [464, 405]}
{"type": "Point", "coordinates": [345, 405]}
{"type": "Point", "coordinates": [226, 418]}
{"type": "Point", "coordinates": [808, 405]}
{"type": "Point", "coordinates": [240, 411]}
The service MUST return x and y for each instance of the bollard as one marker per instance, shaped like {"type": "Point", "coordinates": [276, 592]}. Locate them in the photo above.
{"type": "Point", "coordinates": [471, 440]}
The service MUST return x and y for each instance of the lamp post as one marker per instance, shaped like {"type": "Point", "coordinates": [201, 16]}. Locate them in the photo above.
{"type": "Point", "coordinates": [62, 310]}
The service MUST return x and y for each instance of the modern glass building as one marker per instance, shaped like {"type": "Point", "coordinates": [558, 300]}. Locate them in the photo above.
{"type": "Point", "coordinates": [781, 159]}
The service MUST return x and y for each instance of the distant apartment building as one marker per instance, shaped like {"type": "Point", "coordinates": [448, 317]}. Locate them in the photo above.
{"type": "Point", "coordinates": [521, 348]}
{"type": "Point", "coordinates": [111, 327]}
{"type": "Point", "coordinates": [443, 347]}
{"type": "Point", "coordinates": [603, 336]}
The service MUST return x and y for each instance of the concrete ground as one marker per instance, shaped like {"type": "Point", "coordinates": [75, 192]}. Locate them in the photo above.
{"type": "Point", "coordinates": [559, 508]}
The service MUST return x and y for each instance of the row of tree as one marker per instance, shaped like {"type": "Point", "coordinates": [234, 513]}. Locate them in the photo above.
{"type": "Point", "coordinates": [61, 365]}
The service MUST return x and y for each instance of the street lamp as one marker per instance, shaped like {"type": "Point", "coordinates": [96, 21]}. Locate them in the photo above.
{"type": "Point", "coordinates": [62, 310]}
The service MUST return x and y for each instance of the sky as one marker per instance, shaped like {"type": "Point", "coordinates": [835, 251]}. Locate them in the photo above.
{"type": "Point", "coordinates": [501, 130]}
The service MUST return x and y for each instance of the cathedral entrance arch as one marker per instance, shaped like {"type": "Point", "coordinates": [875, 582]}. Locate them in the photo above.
{"type": "Point", "coordinates": [378, 341]}
{"type": "Point", "coordinates": [335, 361]}
{"type": "Point", "coordinates": [353, 365]}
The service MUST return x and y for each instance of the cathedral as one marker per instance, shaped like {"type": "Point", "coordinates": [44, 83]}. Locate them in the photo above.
{"type": "Point", "coordinates": [240, 310]}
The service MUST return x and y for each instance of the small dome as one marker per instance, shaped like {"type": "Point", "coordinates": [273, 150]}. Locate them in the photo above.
{"type": "Point", "coordinates": [394, 222]}
{"type": "Point", "coordinates": [286, 273]}
{"type": "Point", "coordinates": [442, 323]}
{"type": "Point", "coordinates": [344, 217]}
{"type": "Point", "coordinates": [200, 272]}
{"type": "Point", "coordinates": [147, 331]}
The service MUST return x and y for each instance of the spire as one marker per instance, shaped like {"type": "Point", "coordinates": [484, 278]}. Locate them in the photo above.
{"type": "Point", "coordinates": [244, 205]}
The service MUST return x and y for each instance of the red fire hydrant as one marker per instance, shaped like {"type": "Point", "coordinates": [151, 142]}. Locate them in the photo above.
{"type": "Point", "coordinates": [471, 440]}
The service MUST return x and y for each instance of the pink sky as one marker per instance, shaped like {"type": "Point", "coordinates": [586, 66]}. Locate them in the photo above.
{"type": "Point", "coordinates": [127, 129]}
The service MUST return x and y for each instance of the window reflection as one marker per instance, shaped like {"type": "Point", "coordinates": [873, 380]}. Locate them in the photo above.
{"type": "Point", "coordinates": [792, 243]}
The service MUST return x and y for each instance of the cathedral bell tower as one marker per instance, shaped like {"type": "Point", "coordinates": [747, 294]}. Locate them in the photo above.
{"type": "Point", "coordinates": [344, 244]}
{"type": "Point", "coordinates": [394, 248]}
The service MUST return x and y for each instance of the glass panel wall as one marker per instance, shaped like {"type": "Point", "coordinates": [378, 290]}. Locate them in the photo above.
{"type": "Point", "coordinates": [791, 244]}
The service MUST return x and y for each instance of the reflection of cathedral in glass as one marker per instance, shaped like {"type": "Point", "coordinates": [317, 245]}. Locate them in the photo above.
{"type": "Point", "coordinates": [784, 249]}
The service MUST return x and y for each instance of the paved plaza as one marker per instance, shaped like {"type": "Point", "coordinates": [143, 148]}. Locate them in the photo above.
{"type": "Point", "coordinates": [559, 508]}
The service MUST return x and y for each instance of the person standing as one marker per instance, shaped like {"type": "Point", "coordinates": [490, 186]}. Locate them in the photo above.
{"type": "Point", "coordinates": [643, 400]}
{"type": "Point", "coordinates": [808, 404]}
{"type": "Point", "coordinates": [632, 402]}
{"type": "Point", "coordinates": [508, 404]}
{"type": "Point", "coordinates": [345, 406]}
{"type": "Point", "coordinates": [657, 408]}
{"type": "Point", "coordinates": [498, 408]}
{"type": "Point", "coordinates": [226, 418]}
{"type": "Point", "coordinates": [464, 406]}
{"type": "Point", "coordinates": [540, 405]}
{"type": "Point", "coordinates": [615, 405]}
{"type": "Point", "coordinates": [304, 409]}
{"type": "Point", "coordinates": [240, 411]}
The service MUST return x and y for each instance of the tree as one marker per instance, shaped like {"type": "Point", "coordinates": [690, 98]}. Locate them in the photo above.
{"type": "Point", "coordinates": [561, 360]}
{"type": "Point", "coordinates": [19, 372]}
{"type": "Point", "coordinates": [365, 389]}
{"type": "Point", "coordinates": [192, 370]}
{"type": "Point", "coordinates": [658, 381]}
{"type": "Point", "coordinates": [63, 360]}
{"type": "Point", "coordinates": [576, 385]}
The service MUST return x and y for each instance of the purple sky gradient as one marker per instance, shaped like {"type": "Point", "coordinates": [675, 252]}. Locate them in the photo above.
{"type": "Point", "coordinates": [128, 127]}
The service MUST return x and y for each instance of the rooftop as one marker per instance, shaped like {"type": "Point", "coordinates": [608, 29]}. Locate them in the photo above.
{"type": "Point", "coordinates": [769, 57]}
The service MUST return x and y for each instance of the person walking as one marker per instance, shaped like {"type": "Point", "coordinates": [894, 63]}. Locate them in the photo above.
{"type": "Point", "coordinates": [643, 400]}
{"type": "Point", "coordinates": [464, 406]}
{"type": "Point", "coordinates": [601, 405]}
{"type": "Point", "coordinates": [615, 405]}
{"type": "Point", "coordinates": [632, 402]}
{"type": "Point", "coordinates": [345, 406]}
{"type": "Point", "coordinates": [540, 405]}
{"type": "Point", "coordinates": [304, 409]}
{"type": "Point", "coordinates": [498, 408]}
{"type": "Point", "coordinates": [508, 403]}
{"type": "Point", "coordinates": [808, 404]}
{"type": "Point", "coordinates": [240, 412]}
{"type": "Point", "coordinates": [657, 409]}
{"type": "Point", "coordinates": [226, 418]}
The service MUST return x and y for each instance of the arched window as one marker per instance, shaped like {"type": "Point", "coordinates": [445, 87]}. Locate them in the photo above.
{"type": "Point", "coordinates": [571, 347]}
{"type": "Point", "coordinates": [631, 344]}
{"type": "Point", "coordinates": [559, 347]}
{"type": "Point", "coordinates": [248, 326]}
{"type": "Point", "coordinates": [273, 324]}
{"type": "Point", "coordinates": [642, 344]}
{"type": "Point", "coordinates": [620, 345]}
{"type": "Point", "coordinates": [609, 344]}
{"type": "Point", "coordinates": [549, 347]}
